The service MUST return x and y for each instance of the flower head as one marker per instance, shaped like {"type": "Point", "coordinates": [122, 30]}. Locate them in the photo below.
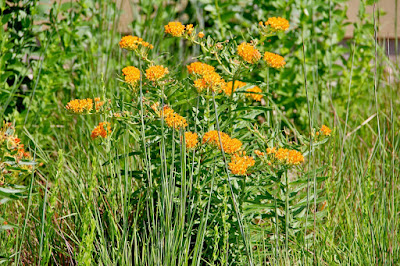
{"type": "Point", "coordinates": [173, 119]}
{"type": "Point", "coordinates": [240, 162]}
{"type": "Point", "coordinates": [102, 130]}
{"type": "Point", "coordinates": [295, 157]}
{"type": "Point", "coordinates": [191, 140]}
{"type": "Point", "coordinates": [274, 60]}
{"type": "Point", "coordinates": [155, 73]}
{"type": "Point", "coordinates": [288, 157]}
{"type": "Point", "coordinates": [228, 86]}
{"type": "Point", "coordinates": [326, 131]}
{"type": "Point", "coordinates": [211, 81]}
{"type": "Point", "coordinates": [282, 154]}
{"type": "Point", "coordinates": [200, 68]}
{"type": "Point", "coordinates": [254, 96]}
{"type": "Point", "coordinates": [277, 24]}
{"type": "Point", "coordinates": [98, 103]}
{"type": "Point", "coordinates": [132, 75]}
{"type": "Point", "coordinates": [80, 106]}
{"type": "Point", "coordinates": [176, 29]}
{"type": "Point", "coordinates": [201, 35]}
{"type": "Point", "coordinates": [259, 153]}
{"type": "Point", "coordinates": [189, 28]}
{"type": "Point", "coordinates": [230, 145]}
{"type": "Point", "coordinates": [271, 150]}
{"type": "Point", "coordinates": [248, 53]}
{"type": "Point", "coordinates": [132, 43]}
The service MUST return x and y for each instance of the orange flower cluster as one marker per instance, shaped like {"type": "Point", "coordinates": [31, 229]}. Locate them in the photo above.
{"type": "Point", "coordinates": [230, 145]}
{"type": "Point", "coordinates": [79, 106]}
{"type": "Point", "coordinates": [173, 119]}
{"type": "Point", "coordinates": [286, 156]}
{"type": "Point", "coordinates": [11, 146]}
{"type": "Point", "coordinates": [249, 53]}
{"type": "Point", "coordinates": [277, 24]}
{"type": "Point", "coordinates": [132, 75]}
{"type": "Point", "coordinates": [155, 73]}
{"type": "Point", "coordinates": [102, 130]}
{"type": "Point", "coordinates": [12, 143]}
{"type": "Point", "coordinates": [240, 162]}
{"type": "Point", "coordinates": [201, 35]}
{"type": "Point", "coordinates": [132, 43]}
{"type": "Point", "coordinates": [326, 131]}
{"type": "Point", "coordinates": [212, 81]}
{"type": "Point", "coordinates": [176, 29]}
{"type": "Point", "coordinates": [200, 68]}
{"type": "Point", "coordinates": [259, 153]}
{"type": "Point", "coordinates": [274, 60]}
{"type": "Point", "coordinates": [228, 86]}
{"type": "Point", "coordinates": [191, 140]}
{"type": "Point", "coordinates": [254, 96]}
{"type": "Point", "coordinates": [98, 104]}
{"type": "Point", "coordinates": [271, 150]}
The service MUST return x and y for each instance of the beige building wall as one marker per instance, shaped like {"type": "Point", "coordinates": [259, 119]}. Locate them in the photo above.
{"type": "Point", "coordinates": [386, 22]}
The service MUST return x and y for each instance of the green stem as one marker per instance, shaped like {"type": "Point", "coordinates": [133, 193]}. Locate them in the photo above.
{"type": "Point", "coordinates": [238, 216]}
{"type": "Point", "coordinates": [276, 231]}
{"type": "Point", "coordinates": [287, 214]}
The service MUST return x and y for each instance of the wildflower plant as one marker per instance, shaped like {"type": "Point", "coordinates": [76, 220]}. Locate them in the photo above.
{"type": "Point", "coordinates": [196, 140]}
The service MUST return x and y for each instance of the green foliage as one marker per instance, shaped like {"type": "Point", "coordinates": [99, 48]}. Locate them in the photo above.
{"type": "Point", "coordinates": [139, 197]}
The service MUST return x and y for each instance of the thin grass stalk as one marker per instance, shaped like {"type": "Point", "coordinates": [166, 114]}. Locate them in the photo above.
{"type": "Point", "coordinates": [276, 231]}
{"type": "Point", "coordinates": [353, 51]}
{"type": "Point", "coordinates": [19, 245]}
{"type": "Point", "coordinates": [248, 252]}
{"type": "Point", "coordinates": [150, 202]}
{"type": "Point", "coordinates": [310, 143]}
{"type": "Point", "coordinates": [267, 102]}
{"type": "Point", "coordinates": [392, 166]}
{"type": "Point", "coordinates": [43, 222]}
{"type": "Point", "coordinates": [231, 101]}
{"type": "Point", "coordinates": [376, 89]}
{"type": "Point", "coordinates": [203, 225]}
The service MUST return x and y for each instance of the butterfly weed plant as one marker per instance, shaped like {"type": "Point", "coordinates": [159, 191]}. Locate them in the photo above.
{"type": "Point", "coordinates": [218, 182]}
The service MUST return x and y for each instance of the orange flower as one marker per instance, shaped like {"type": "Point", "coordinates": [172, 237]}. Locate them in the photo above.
{"type": "Point", "coordinates": [98, 104]}
{"type": "Point", "coordinates": [295, 157]}
{"type": "Point", "coordinates": [325, 130]}
{"type": "Point", "coordinates": [240, 162]}
{"type": "Point", "coordinates": [189, 28]}
{"type": "Point", "coordinates": [132, 75]}
{"type": "Point", "coordinates": [102, 130]}
{"type": "Point", "coordinates": [176, 29]}
{"type": "Point", "coordinates": [201, 35]}
{"type": "Point", "coordinates": [248, 53]}
{"type": "Point", "coordinates": [282, 154]}
{"type": "Point", "coordinates": [256, 97]}
{"type": "Point", "coordinates": [132, 43]}
{"type": "Point", "coordinates": [274, 60]}
{"type": "Point", "coordinates": [228, 86]}
{"type": "Point", "coordinates": [200, 68]}
{"type": "Point", "coordinates": [211, 81]}
{"type": "Point", "coordinates": [277, 23]}
{"type": "Point", "coordinates": [173, 119]}
{"type": "Point", "coordinates": [191, 140]}
{"type": "Point", "coordinates": [155, 73]}
{"type": "Point", "coordinates": [271, 150]}
{"type": "Point", "coordinates": [79, 106]}
{"type": "Point", "coordinates": [259, 153]}
{"type": "Point", "coordinates": [230, 145]}
{"type": "Point", "coordinates": [289, 157]}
